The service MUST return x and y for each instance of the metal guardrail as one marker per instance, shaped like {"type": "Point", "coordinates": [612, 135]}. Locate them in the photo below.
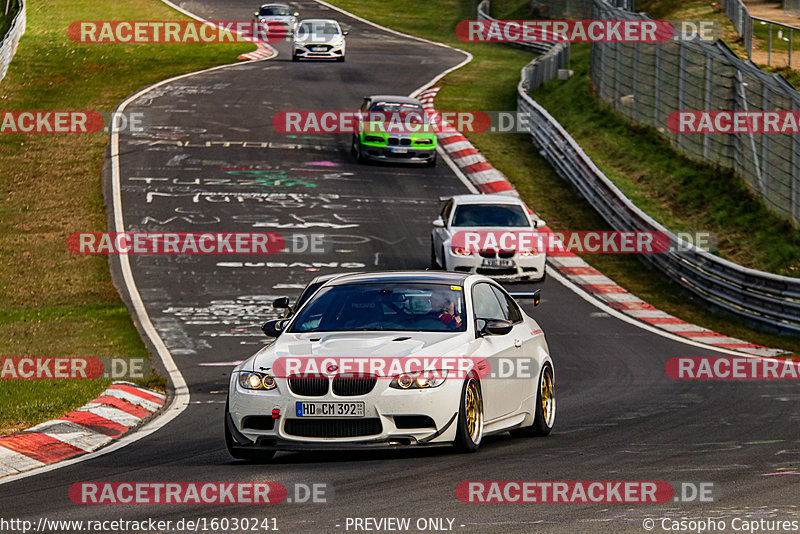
{"type": "Point", "coordinates": [543, 68]}
{"type": "Point", "coordinates": [9, 43]}
{"type": "Point", "coordinates": [768, 299]}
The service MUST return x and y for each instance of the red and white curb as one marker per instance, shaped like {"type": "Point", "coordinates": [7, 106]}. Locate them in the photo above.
{"type": "Point", "coordinates": [263, 52]}
{"type": "Point", "coordinates": [471, 162]}
{"type": "Point", "coordinates": [489, 180]}
{"type": "Point", "coordinates": [116, 411]}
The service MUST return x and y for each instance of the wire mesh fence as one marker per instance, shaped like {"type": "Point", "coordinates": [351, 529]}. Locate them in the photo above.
{"type": "Point", "coordinates": [646, 82]}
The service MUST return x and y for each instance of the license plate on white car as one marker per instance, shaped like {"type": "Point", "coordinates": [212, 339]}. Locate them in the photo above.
{"type": "Point", "coordinates": [497, 263]}
{"type": "Point", "coordinates": [317, 49]}
{"type": "Point", "coordinates": [330, 409]}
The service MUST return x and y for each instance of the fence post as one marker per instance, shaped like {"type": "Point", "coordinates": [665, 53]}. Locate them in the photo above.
{"type": "Point", "coordinates": [681, 83]}
{"type": "Point", "coordinates": [657, 88]}
{"type": "Point", "coordinates": [707, 101]}
{"type": "Point", "coordinates": [741, 86]}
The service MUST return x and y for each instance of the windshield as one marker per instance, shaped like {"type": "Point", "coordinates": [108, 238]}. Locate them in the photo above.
{"type": "Point", "coordinates": [387, 111]}
{"type": "Point", "coordinates": [490, 215]}
{"type": "Point", "coordinates": [318, 28]}
{"type": "Point", "coordinates": [273, 11]}
{"type": "Point", "coordinates": [398, 306]}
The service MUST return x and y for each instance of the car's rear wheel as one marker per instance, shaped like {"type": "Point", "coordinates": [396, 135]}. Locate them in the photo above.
{"type": "Point", "coordinates": [545, 412]}
{"type": "Point", "coordinates": [470, 417]}
{"type": "Point", "coordinates": [239, 454]}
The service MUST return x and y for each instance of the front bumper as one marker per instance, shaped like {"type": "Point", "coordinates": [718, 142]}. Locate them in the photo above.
{"type": "Point", "coordinates": [385, 409]}
{"type": "Point", "coordinates": [388, 154]}
{"type": "Point", "coordinates": [316, 51]}
{"type": "Point", "coordinates": [521, 268]}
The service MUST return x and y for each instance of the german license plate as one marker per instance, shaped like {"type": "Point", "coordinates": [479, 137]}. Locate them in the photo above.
{"type": "Point", "coordinates": [399, 150]}
{"type": "Point", "coordinates": [318, 49]}
{"type": "Point", "coordinates": [497, 263]}
{"type": "Point", "coordinates": [330, 409]}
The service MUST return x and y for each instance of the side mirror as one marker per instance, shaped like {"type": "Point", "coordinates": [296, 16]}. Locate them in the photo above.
{"type": "Point", "coordinates": [438, 223]}
{"type": "Point", "coordinates": [281, 302]}
{"type": "Point", "coordinates": [255, 13]}
{"type": "Point", "coordinates": [496, 327]}
{"type": "Point", "coordinates": [296, 14]}
{"type": "Point", "coordinates": [538, 223]}
{"type": "Point", "coordinates": [274, 327]}
{"type": "Point", "coordinates": [345, 32]}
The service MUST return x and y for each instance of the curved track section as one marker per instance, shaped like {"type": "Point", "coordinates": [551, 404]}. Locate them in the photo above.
{"type": "Point", "coordinates": [619, 416]}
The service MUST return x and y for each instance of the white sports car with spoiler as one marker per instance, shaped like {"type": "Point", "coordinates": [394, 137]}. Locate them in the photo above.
{"type": "Point", "coordinates": [383, 360]}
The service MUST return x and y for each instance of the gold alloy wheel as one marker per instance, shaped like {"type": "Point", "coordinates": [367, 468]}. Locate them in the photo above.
{"type": "Point", "coordinates": [472, 409]}
{"type": "Point", "coordinates": [548, 397]}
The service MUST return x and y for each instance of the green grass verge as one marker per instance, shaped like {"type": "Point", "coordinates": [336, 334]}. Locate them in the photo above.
{"type": "Point", "coordinates": [54, 303]}
{"type": "Point", "coordinates": [489, 83]}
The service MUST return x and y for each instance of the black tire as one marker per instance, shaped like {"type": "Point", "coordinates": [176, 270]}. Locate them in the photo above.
{"type": "Point", "coordinates": [434, 261]}
{"type": "Point", "coordinates": [340, 59]}
{"type": "Point", "coordinates": [239, 454]}
{"type": "Point", "coordinates": [542, 423]}
{"type": "Point", "coordinates": [542, 279]}
{"type": "Point", "coordinates": [432, 162]}
{"type": "Point", "coordinates": [295, 58]}
{"type": "Point", "coordinates": [469, 439]}
{"type": "Point", "coordinates": [357, 150]}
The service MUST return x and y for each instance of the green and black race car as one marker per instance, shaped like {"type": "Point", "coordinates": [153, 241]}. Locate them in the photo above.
{"type": "Point", "coordinates": [394, 129]}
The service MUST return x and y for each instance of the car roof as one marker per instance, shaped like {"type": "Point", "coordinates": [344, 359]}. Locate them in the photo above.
{"type": "Point", "coordinates": [395, 98]}
{"type": "Point", "coordinates": [487, 199]}
{"type": "Point", "coordinates": [400, 276]}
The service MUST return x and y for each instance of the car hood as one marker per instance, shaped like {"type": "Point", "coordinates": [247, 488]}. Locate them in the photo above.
{"type": "Point", "coordinates": [499, 229]}
{"type": "Point", "coordinates": [319, 39]}
{"type": "Point", "coordinates": [363, 344]}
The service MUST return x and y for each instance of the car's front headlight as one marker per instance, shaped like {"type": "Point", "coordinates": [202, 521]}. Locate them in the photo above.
{"type": "Point", "coordinates": [461, 251]}
{"type": "Point", "coordinates": [528, 252]}
{"type": "Point", "coordinates": [374, 139]}
{"type": "Point", "coordinates": [423, 141]}
{"type": "Point", "coordinates": [253, 380]}
{"type": "Point", "coordinates": [419, 380]}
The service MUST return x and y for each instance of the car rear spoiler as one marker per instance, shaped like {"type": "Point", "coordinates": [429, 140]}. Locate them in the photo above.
{"type": "Point", "coordinates": [535, 295]}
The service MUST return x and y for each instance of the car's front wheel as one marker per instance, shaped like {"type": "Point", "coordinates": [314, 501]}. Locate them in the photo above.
{"type": "Point", "coordinates": [470, 417]}
{"type": "Point", "coordinates": [239, 454]}
{"type": "Point", "coordinates": [357, 150]}
{"type": "Point", "coordinates": [295, 57]}
{"type": "Point", "coordinates": [545, 412]}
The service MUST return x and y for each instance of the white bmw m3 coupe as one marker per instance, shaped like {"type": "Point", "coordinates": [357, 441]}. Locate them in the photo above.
{"type": "Point", "coordinates": [383, 360]}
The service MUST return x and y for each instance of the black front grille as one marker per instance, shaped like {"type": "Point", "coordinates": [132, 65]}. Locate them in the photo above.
{"type": "Point", "coordinates": [311, 386]}
{"type": "Point", "coordinates": [495, 272]}
{"type": "Point", "coordinates": [506, 254]}
{"type": "Point", "coordinates": [399, 141]}
{"type": "Point", "coordinates": [332, 428]}
{"type": "Point", "coordinates": [258, 422]}
{"type": "Point", "coordinates": [405, 141]}
{"type": "Point", "coordinates": [394, 141]}
{"type": "Point", "coordinates": [350, 386]}
{"type": "Point", "coordinates": [488, 254]}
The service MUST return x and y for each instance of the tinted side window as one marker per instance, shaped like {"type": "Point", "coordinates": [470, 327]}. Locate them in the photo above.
{"type": "Point", "coordinates": [510, 308]}
{"type": "Point", "coordinates": [485, 303]}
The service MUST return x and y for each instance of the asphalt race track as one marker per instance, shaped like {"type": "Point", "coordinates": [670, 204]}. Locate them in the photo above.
{"type": "Point", "coordinates": [620, 417]}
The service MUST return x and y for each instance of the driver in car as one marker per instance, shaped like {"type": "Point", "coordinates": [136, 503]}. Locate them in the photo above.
{"type": "Point", "coordinates": [443, 307]}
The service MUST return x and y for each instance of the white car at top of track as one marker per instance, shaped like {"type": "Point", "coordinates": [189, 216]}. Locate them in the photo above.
{"type": "Point", "coordinates": [277, 15]}
{"type": "Point", "coordinates": [396, 317]}
{"type": "Point", "coordinates": [486, 213]}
